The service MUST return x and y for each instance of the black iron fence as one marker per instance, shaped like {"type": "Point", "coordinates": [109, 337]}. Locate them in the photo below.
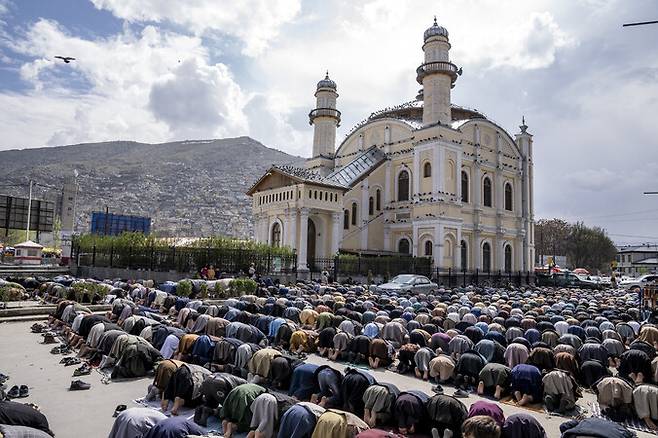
{"type": "Point", "coordinates": [453, 278]}
{"type": "Point", "coordinates": [188, 260]}
{"type": "Point", "coordinates": [344, 266]}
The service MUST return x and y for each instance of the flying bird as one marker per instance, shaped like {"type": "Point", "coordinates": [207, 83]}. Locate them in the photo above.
{"type": "Point", "coordinates": [66, 59]}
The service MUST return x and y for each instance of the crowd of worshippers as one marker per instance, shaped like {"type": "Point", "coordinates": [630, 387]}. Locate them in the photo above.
{"type": "Point", "coordinates": [243, 361]}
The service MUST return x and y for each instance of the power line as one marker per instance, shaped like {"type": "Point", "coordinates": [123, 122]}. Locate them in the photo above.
{"type": "Point", "coordinates": [640, 23]}
{"type": "Point", "coordinates": [634, 236]}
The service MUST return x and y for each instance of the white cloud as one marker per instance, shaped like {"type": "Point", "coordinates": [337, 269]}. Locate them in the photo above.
{"type": "Point", "coordinates": [151, 86]}
{"type": "Point", "coordinates": [255, 22]}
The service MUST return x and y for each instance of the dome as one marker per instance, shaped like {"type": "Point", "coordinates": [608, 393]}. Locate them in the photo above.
{"type": "Point", "coordinates": [435, 30]}
{"type": "Point", "coordinates": [327, 83]}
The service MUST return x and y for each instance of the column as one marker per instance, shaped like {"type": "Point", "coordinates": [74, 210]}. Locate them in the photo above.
{"type": "Point", "coordinates": [387, 184]}
{"type": "Point", "coordinates": [437, 169]}
{"type": "Point", "coordinates": [416, 174]}
{"type": "Point", "coordinates": [336, 231]}
{"type": "Point", "coordinates": [477, 257]}
{"type": "Point", "coordinates": [365, 216]}
{"type": "Point", "coordinates": [517, 198]}
{"type": "Point", "coordinates": [441, 169]}
{"type": "Point", "coordinates": [387, 238]}
{"type": "Point", "coordinates": [458, 250]}
{"type": "Point", "coordinates": [458, 176]}
{"type": "Point", "coordinates": [414, 241]}
{"type": "Point", "coordinates": [518, 256]}
{"type": "Point", "coordinates": [438, 246]}
{"type": "Point", "coordinates": [292, 228]}
{"type": "Point", "coordinates": [303, 240]}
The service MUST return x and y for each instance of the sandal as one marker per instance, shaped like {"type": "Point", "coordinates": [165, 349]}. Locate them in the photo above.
{"type": "Point", "coordinates": [23, 391]}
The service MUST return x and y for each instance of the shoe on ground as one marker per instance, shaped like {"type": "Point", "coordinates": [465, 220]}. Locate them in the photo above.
{"type": "Point", "coordinates": [14, 392]}
{"type": "Point", "coordinates": [49, 338]}
{"type": "Point", "coordinates": [23, 391]}
{"type": "Point", "coordinates": [460, 393]}
{"type": "Point", "coordinates": [84, 370]}
{"type": "Point", "coordinates": [79, 385]}
{"type": "Point", "coordinates": [438, 389]}
{"type": "Point", "coordinates": [119, 409]}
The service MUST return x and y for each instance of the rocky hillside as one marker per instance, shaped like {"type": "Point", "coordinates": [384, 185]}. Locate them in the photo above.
{"type": "Point", "coordinates": [188, 188]}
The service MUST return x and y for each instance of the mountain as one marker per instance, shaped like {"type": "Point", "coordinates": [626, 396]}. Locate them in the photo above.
{"type": "Point", "coordinates": [188, 188]}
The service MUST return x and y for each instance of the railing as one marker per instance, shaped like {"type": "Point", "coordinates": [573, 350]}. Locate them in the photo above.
{"type": "Point", "coordinates": [437, 67]}
{"type": "Point", "coordinates": [188, 260]}
{"type": "Point", "coordinates": [384, 266]}
{"type": "Point", "coordinates": [449, 277]}
{"type": "Point", "coordinates": [324, 112]}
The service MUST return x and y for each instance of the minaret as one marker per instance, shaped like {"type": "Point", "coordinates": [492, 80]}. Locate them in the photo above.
{"type": "Point", "coordinates": [524, 142]}
{"type": "Point", "coordinates": [325, 118]}
{"type": "Point", "coordinates": [437, 75]}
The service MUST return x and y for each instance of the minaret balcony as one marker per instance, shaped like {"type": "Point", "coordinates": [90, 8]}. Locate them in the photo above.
{"type": "Point", "coordinates": [442, 67]}
{"type": "Point", "coordinates": [324, 112]}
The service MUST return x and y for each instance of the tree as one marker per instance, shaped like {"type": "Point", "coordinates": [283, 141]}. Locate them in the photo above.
{"type": "Point", "coordinates": [589, 248]}
{"type": "Point", "coordinates": [551, 237]}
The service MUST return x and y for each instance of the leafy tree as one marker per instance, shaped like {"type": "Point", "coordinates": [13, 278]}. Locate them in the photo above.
{"type": "Point", "coordinates": [589, 248]}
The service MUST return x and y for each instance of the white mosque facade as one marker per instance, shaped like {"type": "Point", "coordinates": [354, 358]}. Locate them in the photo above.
{"type": "Point", "coordinates": [426, 178]}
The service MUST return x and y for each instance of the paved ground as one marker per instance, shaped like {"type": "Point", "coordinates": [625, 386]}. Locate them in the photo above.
{"type": "Point", "coordinates": [89, 413]}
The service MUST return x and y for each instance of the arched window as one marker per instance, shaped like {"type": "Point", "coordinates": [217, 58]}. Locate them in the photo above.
{"type": "Point", "coordinates": [403, 246]}
{"type": "Point", "coordinates": [371, 206]}
{"type": "Point", "coordinates": [464, 252]}
{"type": "Point", "coordinates": [465, 187]}
{"type": "Point", "coordinates": [427, 170]}
{"type": "Point", "coordinates": [403, 186]}
{"type": "Point", "coordinates": [353, 213]}
{"type": "Point", "coordinates": [486, 192]}
{"type": "Point", "coordinates": [346, 220]}
{"type": "Point", "coordinates": [486, 257]}
{"type": "Point", "coordinates": [428, 248]}
{"type": "Point", "coordinates": [315, 194]}
{"type": "Point", "coordinates": [508, 197]}
{"type": "Point", "coordinates": [276, 234]}
{"type": "Point", "coordinates": [378, 200]}
{"type": "Point", "coordinates": [508, 258]}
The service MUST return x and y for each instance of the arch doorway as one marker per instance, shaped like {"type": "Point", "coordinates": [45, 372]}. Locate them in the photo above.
{"type": "Point", "coordinates": [310, 247]}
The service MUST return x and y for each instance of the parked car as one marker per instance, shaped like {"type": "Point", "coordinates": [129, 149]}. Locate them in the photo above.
{"type": "Point", "coordinates": [566, 279]}
{"type": "Point", "coordinates": [638, 283]}
{"type": "Point", "coordinates": [410, 283]}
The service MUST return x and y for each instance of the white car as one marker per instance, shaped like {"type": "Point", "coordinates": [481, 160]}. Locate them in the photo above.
{"type": "Point", "coordinates": [638, 283]}
{"type": "Point", "coordinates": [409, 283]}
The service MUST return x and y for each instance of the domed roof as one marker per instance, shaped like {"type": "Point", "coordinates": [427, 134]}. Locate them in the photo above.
{"type": "Point", "coordinates": [327, 83]}
{"type": "Point", "coordinates": [435, 30]}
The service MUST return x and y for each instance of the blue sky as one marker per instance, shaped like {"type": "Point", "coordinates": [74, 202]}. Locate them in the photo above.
{"type": "Point", "coordinates": [160, 70]}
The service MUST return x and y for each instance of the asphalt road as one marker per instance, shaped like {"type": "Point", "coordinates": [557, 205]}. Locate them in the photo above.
{"type": "Point", "coordinates": [74, 414]}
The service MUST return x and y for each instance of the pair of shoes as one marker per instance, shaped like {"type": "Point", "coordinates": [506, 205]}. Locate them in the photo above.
{"type": "Point", "coordinates": [79, 385]}
{"type": "Point", "coordinates": [3, 378]}
{"type": "Point", "coordinates": [38, 328]}
{"type": "Point", "coordinates": [18, 392]}
{"type": "Point", "coordinates": [70, 360]}
{"type": "Point", "coordinates": [84, 370]}
{"type": "Point", "coordinates": [437, 389]}
{"type": "Point", "coordinates": [460, 393]}
{"type": "Point", "coordinates": [119, 409]}
{"type": "Point", "coordinates": [49, 338]}
{"type": "Point", "coordinates": [61, 349]}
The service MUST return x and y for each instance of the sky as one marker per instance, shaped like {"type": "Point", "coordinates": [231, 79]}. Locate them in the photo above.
{"type": "Point", "coordinates": [164, 70]}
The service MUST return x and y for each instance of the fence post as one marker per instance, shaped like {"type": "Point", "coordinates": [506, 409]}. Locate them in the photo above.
{"type": "Point", "coordinates": [464, 272]}
{"type": "Point", "coordinates": [93, 256]}
{"type": "Point", "coordinates": [449, 277]}
{"type": "Point", "coordinates": [477, 271]}
{"type": "Point", "coordinates": [358, 264]}
{"type": "Point", "coordinates": [111, 256]}
{"type": "Point", "coordinates": [173, 258]}
{"type": "Point", "coordinates": [269, 261]}
{"type": "Point", "coordinates": [130, 257]}
{"type": "Point", "coordinates": [500, 278]}
{"type": "Point", "coordinates": [527, 278]}
{"type": "Point", "coordinates": [336, 267]}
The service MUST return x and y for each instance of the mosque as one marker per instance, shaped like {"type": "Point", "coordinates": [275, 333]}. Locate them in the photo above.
{"type": "Point", "coordinates": [426, 178]}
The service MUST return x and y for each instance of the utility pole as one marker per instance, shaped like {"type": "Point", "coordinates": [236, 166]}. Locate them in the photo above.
{"type": "Point", "coordinates": [29, 211]}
